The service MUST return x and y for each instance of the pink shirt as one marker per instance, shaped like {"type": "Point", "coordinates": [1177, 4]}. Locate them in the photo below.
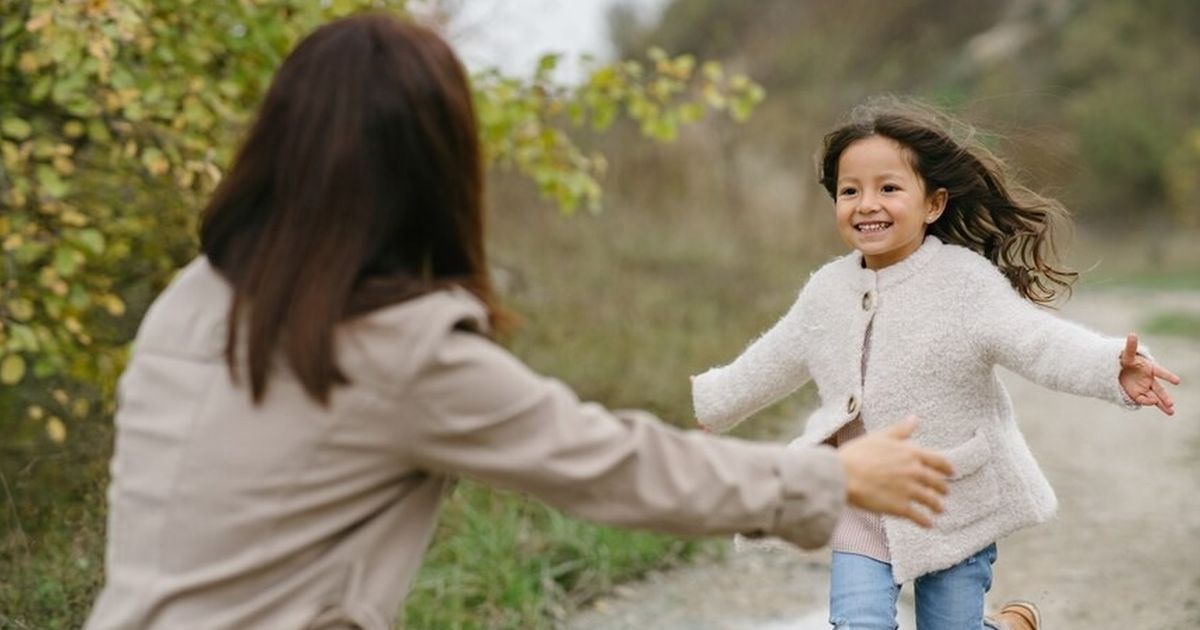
{"type": "Point", "coordinates": [858, 531]}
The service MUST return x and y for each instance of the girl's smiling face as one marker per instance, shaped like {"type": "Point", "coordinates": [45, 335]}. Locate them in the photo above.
{"type": "Point", "coordinates": [882, 206]}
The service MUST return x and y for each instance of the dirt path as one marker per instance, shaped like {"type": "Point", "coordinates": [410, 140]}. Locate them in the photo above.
{"type": "Point", "coordinates": [1124, 552]}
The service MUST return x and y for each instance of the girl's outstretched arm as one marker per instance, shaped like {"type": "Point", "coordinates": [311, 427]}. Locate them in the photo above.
{"type": "Point", "coordinates": [1051, 351]}
{"type": "Point", "coordinates": [771, 368]}
{"type": "Point", "coordinates": [1140, 378]}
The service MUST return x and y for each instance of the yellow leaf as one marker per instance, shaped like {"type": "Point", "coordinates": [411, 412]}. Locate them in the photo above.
{"type": "Point", "coordinates": [154, 161]}
{"type": "Point", "coordinates": [28, 63]}
{"type": "Point", "coordinates": [20, 309]}
{"type": "Point", "coordinates": [56, 430]}
{"type": "Point", "coordinates": [64, 165]}
{"type": "Point", "coordinates": [61, 397]}
{"type": "Point", "coordinates": [36, 412]}
{"type": "Point", "coordinates": [113, 305]}
{"type": "Point", "coordinates": [74, 218]}
{"type": "Point", "coordinates": [100, 48]}
{"type": "Point", "coordinates": [73, 129]}
{"type": "Point", "coordinates": [12, 369]}
{"type": "Point", "coordinates": [39, 21]}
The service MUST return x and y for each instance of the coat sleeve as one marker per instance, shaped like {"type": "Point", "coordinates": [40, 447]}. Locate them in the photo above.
{"type": "Point", "coordinates": [770, 368]}
{"type": "Point", "coordinates": [485, 415]}
{"type": "Point", "coordinates": [1040, 346]}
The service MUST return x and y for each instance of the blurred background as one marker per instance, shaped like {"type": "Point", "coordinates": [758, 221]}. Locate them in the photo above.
{"type": "Point", "coordinates": [702, 242]}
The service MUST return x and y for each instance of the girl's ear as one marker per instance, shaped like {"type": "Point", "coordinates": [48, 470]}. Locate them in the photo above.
{"type": "Point", "coordinates": [937, 205]}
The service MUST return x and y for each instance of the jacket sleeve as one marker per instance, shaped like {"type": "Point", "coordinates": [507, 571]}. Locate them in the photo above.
{"type": "Point", "coordinates": [484, 414]}
{"type": "Point", "coordinates": [1048, 350]}
{"type": "Point", "coordinates": [770, 368]}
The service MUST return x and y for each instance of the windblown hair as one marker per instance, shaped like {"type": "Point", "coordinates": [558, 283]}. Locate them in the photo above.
{"type": "Point", "coordinates": [358, 186]}
{"type": "Point", "coordinates": [1009, 224]}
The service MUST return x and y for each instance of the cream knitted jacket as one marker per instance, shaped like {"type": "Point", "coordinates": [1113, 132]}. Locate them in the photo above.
{"type": "Point", "coordinates": [939, 322]}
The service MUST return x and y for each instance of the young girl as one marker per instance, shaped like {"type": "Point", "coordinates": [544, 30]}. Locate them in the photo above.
{"type": "Point", "coordinates": [950, 258]}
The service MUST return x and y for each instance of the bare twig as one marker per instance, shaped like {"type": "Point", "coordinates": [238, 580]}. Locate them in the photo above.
{"type": "Point", "coordinates": [12, 505]}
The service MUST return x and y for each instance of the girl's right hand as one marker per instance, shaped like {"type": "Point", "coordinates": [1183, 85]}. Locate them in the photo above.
{"type": "Point", "coordinates": [1140, 379]}
{"type": "Point", "coordinates": [887, 474]}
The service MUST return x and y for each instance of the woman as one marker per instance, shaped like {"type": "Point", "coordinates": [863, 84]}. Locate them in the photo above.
{"type": "Point", "coordinates": [286, 471]}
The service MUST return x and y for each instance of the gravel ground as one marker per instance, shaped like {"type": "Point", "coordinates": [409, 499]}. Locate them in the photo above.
{"type": "Point", "coordinates": [1124, 552]}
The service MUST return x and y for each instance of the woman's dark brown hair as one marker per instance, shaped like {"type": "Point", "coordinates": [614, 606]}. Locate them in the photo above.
{"type": "Point", "coordinates": [1010, 225]}
{"type": "Point", "coordinates": [359, 185]}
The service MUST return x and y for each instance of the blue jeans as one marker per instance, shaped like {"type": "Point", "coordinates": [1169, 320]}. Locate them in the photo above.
{"type": "Point", "coordinates": [862, 595]}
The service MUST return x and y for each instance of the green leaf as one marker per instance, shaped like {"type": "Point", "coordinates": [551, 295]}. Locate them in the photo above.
{"type": "Point", "coordinates": [92, 240]}
{"type": "Point", "coordinates": [51, 183]}
{"type": "Point", "coordinates": [41, 87]}
{"type": "Point", "coordinates": [98, 131]}
{"type": "Point", "coordinates": [67, 261]}
{"type": "Point", "coordinates": [15, 128]}
{"type": "Point", "coordinates": [12, 369]}
{"type": "Point", "coordinates": [23, 339]}
{"type": "Point", "coordinates": [712, 71]}
{"type": "Point", "coordinates": [44, 368]}
{"type": "Point", "coordinates": [547, 63]}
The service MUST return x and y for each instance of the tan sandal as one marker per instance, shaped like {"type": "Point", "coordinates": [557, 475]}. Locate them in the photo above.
{"type": "Point", "coordinates": [1017, 615]}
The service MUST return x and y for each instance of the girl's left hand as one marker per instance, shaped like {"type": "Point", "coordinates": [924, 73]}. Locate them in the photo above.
{"type": "Point", "coordinates": [1140, 378]}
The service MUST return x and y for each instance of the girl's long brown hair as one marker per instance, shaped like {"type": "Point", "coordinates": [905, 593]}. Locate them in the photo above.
{"type": "Point", "coordinates": [359, 185]}
{"type": "Point", "coordinates": [1009, 224]}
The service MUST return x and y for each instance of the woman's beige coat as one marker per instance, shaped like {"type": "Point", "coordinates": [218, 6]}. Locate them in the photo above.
{"type": "Point", "coordinates": [223, 514]}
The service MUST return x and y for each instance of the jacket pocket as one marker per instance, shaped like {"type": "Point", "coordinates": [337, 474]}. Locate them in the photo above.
{"type": "Point", "coordinates": [973, 487]}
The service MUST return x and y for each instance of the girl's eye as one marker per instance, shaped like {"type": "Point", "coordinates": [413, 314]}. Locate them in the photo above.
{"type": "Point", "coordinates": [890, 188]}
{"type": "Point", "coordinates": [846, 192]}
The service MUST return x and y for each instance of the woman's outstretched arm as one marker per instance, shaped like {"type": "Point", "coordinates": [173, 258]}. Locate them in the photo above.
{"type": "Point", "coordinates": [482, 413]}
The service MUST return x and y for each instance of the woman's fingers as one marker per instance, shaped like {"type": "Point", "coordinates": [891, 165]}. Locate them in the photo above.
{"type": "Point", "coordinates": [901, 430]}
{"type": "Point", "coordinates": [934, 480]}
{"type": "Point", "coordinates": [937, 462]}
{"type": "Point", "coordinates": [929, 498]}
{"type": "Point", "coordinates": [917, 516]}
{"type": "Point", "coordinates": [889, 475]}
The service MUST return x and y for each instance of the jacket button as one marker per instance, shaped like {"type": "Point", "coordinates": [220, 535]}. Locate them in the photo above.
{"type": "Point", "coordinates": [868, 301]}
{"type": "Point", "coordinates": [852, 405]}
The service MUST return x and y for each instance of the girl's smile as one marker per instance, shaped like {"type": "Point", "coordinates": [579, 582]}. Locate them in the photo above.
{"type": "Point", "coordinates": [872, 227]}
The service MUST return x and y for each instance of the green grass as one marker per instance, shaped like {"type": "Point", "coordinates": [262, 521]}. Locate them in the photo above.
{"type": "Point", "coordinates": [1180, 279]}
{"type": "Point", "coordinates": [501, 561]}
{"type": "Point", "coordinates": [52, 531]}
{"type": "Point", "coordinates": [1177, 324]}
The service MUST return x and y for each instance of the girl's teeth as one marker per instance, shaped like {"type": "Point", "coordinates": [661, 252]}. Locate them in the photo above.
{"type": "Point", "coordinates": [872, 227]}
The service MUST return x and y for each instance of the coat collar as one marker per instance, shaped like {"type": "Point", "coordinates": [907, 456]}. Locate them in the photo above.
{"type": "Point", "coordinates": [901, 271]}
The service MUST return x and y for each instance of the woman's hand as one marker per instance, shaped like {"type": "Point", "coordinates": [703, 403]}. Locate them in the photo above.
{"type": "Point", "coordinates": [1140, 379]}
{"type": "Point", "coordinates": [886, 473]}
